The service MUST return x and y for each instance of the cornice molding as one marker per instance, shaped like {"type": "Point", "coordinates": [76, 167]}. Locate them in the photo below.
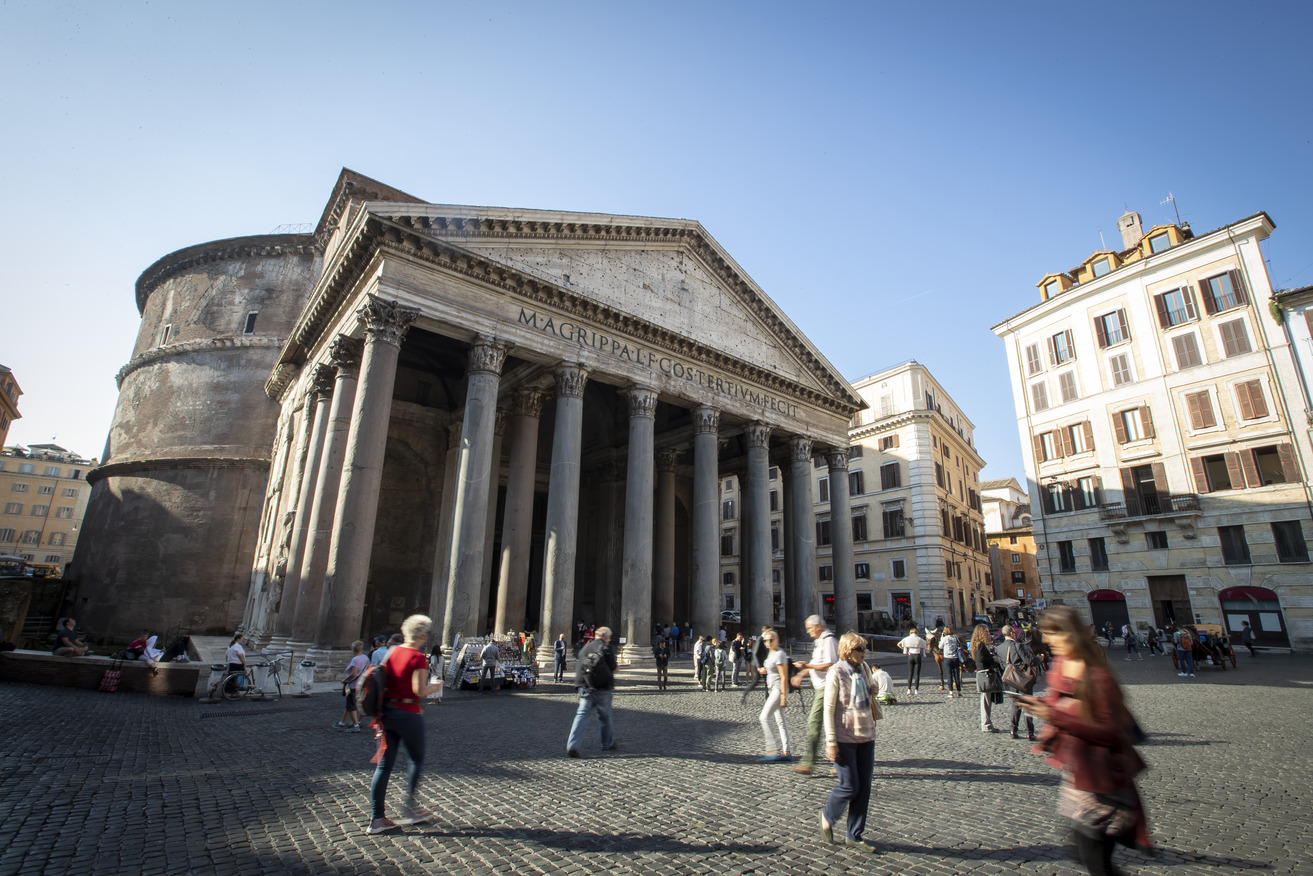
{"type": "Point", "coordinates": [375, 235]}
{"type": "Point", "coordinates": [131, 467]}
{"type": "Point", "coordinates": [169, 351]}
{"type": "Point", "coordinates": [255, 246]}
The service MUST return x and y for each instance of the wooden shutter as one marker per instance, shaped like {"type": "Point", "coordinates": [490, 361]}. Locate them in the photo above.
{"type": "Point", "coordinates": [1252, 476]}
{"type": "Point", "coordinates": [1118, 427]}
{"type": "Point", "coordinates": [1046, 499]}
{"type": "Point", "coordinates": [1100, 332]}
{"type": "Point", "coordinates": [1200, 472]}
{"type": "Point", "coordinates": [1098, 489]}
{"type": "Point", "coordinates": [1089, 434]}
{"type": "Point", "coordinates": [1257, 399]}
{"type": "Point", "coordinates": [1286, 453]}
{"type": "Point", "coordinates": [1125, 327]}
{"type": "Point", "coordinates": [1146, 421]}
{"type": "Point", "coordinates": [1206, 293]}
{"type": "Point", "coordinates": [1128, 484]}
{"type": "Point", "coordinates": [1053, 354]}
{"type": "Point", "coordinates": [1064, 436]}
{"type": "Point", "coordinates": [1187, 294]}
{"type": "Point", "coordinates": [1235, 471]}
{"type": "Point", "coordinates": [1160, 479]}
{"type": "Point", "coordinates": [1164, 318]}
{"type": "Point", "coordinates": [1237, 283]}
{"type": "Point", "coordinates": [1071, 344]}
{"type": "Point", "coordinates": [1242, 397]}
{"type": "Point", "coordinates": [1200, 406]}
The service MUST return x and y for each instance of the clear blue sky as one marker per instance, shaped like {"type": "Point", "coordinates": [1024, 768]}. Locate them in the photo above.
{"type": "Point", "coordinates": [897, 176]}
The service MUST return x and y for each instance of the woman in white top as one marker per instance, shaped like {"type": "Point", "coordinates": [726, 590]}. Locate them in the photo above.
{"type": "Point", "coordinates": [913, 646]}
{"type": "Point", "coordinates": [236, 658]}
{"type": "Point", "coordinates": [776, 670]}
{"type": "Point", "coordinates": [951, 647]}
{"type": "Point", "coordinates": [350, 685]}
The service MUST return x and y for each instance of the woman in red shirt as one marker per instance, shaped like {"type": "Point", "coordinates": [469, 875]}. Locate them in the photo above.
{"type": "Point", "coordinates": [406, 670]}
{"type": "Point", "coordinates": [1087, 735]}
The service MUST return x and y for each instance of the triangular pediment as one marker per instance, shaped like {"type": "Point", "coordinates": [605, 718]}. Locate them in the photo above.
{"type": "Point", "coordinates": [667, 272]}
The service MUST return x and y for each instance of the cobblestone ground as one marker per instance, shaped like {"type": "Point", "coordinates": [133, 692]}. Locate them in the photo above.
{"type": "Point", "coordinates": [98, 783]}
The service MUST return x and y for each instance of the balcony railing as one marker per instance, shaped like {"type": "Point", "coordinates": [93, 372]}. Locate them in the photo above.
{"type": "Point", "coordinates": [1150, 506]}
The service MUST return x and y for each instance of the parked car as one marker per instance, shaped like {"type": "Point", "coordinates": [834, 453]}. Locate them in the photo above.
{"type": "Point", "coordinates": [729, 617]}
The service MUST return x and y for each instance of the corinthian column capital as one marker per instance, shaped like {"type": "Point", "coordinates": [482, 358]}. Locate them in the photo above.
{"type": "Point", "coordinates": [758, 434]}
{"type": "Point", "coordinates": [706, 419]}
{"type": "Point", "coordinates": [800, 449]}
{"type": "Point", "coordinates": [570, 381]}
{"type": "Point", "coordinates": [384, 320]}
{"type": "Point", "coordinates": [321, 380]}
{"type": "Point", "coordinates": [487, 355]}
{"type": "Point", "coordinates": [499, 425]}
{"type": "Point", "coordinates": [837, 460]}
{"type": "Point", "coordinates": [666, 459]}
{"type": "Point", "coordinates": [642, 402]}
{"type": "Point", "coordinates": [344, 354]}
{"type": "Point", "coordinates": [529, 403]}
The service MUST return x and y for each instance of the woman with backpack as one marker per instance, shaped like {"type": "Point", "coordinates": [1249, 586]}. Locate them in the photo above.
{"type": "Point", "coordinates": [986, 665]}
{"type": "Point", "coordinates": [950, 646]}
{"type": "Point", "coordinates": [401, 721]}
{"type": "Point", "coordinates": [1087, 736]}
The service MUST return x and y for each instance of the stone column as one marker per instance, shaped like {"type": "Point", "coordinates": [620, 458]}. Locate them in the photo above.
{"type": "Point", "coordinates": [756, 526]}
{"type": "Point", "coordinates": [344, 354]}
{"type": "Point", "coordinates": [706, 519]}
{"type": "Point", "coordinates": [463, 612]}
{"type": "Point", "coordinates": [802, 537]}
{"type": "Point", "coordinates": [841, 541]}
{"type": "Point", "coordinates": [442, 550]}
{"type": "Point", "coordinates": [562, 511]}
{"type": "Point", "coordinates": [317, 405]}
{"type": "Point", "coordinates": [342, 604]}
{"type": "Point", "coordinates": [788, 586]}
{"type": "Point", "coordinates": [636, 570]}
{"type": "Point", "coordinates": [513, 578]}
{"type": "Point", "coordinates": [490, 527]}
{"type": "Point", "coordinates": [663, 553]}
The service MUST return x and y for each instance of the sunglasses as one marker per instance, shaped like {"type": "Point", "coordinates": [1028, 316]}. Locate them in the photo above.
{"type": "Point", "coordinates": [861, 650]}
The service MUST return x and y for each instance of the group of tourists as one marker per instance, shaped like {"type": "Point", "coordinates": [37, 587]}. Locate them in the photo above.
{"type": "Point", "coordinates": [1190, 645]}
{"type": "Point", "coordinates": [1085, 730]}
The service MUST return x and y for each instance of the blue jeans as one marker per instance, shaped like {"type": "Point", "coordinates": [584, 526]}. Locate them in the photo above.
{"type": "Point", "coordinates": [559, 674]}
{"type": "Point", "coordinates": [954, 667]}
{"type": "Point", "coordinates": [1186, 660]}
{"type": "Point", "coordinates": [398, 726]}
{"type": "Point", "coordinates": [591, 700]}
{"type": "Point", "coordinates": [855, 763]}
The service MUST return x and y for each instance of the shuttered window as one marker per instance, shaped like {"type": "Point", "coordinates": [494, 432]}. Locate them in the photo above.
{"type": "Point", "coordinates": [1249, 397]}
{"type": "Point", "coordinates": [1061, 348]}
{"type": "Point", "coordinates": [1039, 396]}
{"type": "Point", "coordinates": [1175, 307]}
{"type": "Point", "coordinates": [1120, 366]}
{"type": "Point", "coordinates": [1187, 351]}
{"type": "Point", "coordinates": [1223, 292]}
{"type": "Point", "coordinates": [889, 476]}
{"type": "Point", "coordinates": [1034, 362]}
{"type": "Point", "coordinates": [1235, 339]}
{"type": "Point", "coordinates": [1111, 328]}
{"type": "Point", "coordinates": [1067, 383]}
{"type": "Point", "coordinates": [1200, 406]}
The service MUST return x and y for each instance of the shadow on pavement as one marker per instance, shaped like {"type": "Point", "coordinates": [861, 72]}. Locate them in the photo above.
{"type": "Point", "coordinates": [603, 842]}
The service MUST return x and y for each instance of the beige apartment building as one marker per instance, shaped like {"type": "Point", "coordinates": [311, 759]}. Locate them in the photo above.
{"type": "Point", "coordinates": [9, 393]}
{"type": "Point", "coordinates": [918, 547]}
{"type": "Point", "coordinates": [1013, 563]}
{"type": "Point", "coordinates": [44, 495]}
{"type": "Point", "coordinates": [1165, 435]}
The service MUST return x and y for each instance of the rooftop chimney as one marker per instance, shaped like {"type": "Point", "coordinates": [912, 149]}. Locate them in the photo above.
{"type": "Point", "coordinates": [1129, 226]}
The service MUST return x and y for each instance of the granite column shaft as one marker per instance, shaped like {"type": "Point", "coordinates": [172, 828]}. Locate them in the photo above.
{"type": "Point", "coordinates": [513, 583]}
{"type": "Point", "coordinates": [706, 518]}
{"type": "Point", "coordinates": [636, 567]}
{"type": "Point", "coordinates": [562, 510]}
{"type": "Point", "coordinates": [841, 541]}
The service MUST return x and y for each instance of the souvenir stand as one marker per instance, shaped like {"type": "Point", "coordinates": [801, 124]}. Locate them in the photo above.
{"type": "Point", "coordinates": [467, 663]}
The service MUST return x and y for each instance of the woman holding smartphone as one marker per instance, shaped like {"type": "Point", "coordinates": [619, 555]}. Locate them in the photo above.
{"type": "Point", "coordinates": [1086, 736]}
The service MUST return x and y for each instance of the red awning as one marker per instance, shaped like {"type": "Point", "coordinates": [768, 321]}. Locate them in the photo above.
{"type": "Point", "coordinates": [1107, 596]}
{"type": "Point", "coordinates": [1247, 593]}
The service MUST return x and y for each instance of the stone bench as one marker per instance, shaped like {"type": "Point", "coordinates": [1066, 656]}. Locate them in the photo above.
{"type": "Point", "coordinates": [42, 667]}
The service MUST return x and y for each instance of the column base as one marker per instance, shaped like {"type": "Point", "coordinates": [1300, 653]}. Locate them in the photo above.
{"type": "Point", "coordinates": [330, 663]}
{"type": "Point", "coordinates": [636, 655]}
{"type": "Point", "coordinates": [284, 643]}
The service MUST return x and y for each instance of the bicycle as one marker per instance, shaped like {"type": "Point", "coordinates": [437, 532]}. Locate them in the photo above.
{"type": "Point", "coordinates": [237, 685]}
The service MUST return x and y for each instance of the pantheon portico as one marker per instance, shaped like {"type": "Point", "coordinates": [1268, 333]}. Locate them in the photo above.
{"type": "Point", "coordinates": [519, 419]}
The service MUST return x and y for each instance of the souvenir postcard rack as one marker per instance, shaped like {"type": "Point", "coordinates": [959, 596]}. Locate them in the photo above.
{"type": "Point", "coordinates": [512, 671]}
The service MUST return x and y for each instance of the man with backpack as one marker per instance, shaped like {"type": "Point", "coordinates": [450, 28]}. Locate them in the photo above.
{"type": "Point", "coordinates": [489, 655]}
{"type": "Point", "coordinates": [1017, 657]}
{"type": "Point", "coordinates": [595, 677]}
{"type": "Point", "coordinates": [1184, 652]}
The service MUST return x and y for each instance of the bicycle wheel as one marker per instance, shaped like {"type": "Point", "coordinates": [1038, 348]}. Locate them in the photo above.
{"type": "Point", "coordinates": [231, 686]}
{"type": "Point", "coordinates": [278, 685]}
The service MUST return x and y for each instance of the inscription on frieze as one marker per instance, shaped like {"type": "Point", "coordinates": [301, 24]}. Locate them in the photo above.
{"type": "Point", "coordinates": [661, 363]}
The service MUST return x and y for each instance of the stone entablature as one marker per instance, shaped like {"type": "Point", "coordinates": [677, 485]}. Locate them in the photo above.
{"type": "Point", "coordinates": [237, 342]}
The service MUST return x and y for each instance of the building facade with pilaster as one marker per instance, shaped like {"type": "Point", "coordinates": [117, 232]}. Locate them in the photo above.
{"type": "Point", "coordinates": [44, 494]}
{"type": "Point", "coordinates": [1166, 437]}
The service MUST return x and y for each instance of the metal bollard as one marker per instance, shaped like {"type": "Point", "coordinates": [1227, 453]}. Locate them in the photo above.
{"type": "Point", "coordinates": [307, 678]}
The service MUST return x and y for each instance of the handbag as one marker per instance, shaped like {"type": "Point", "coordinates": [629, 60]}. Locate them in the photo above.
{"type": "Point", "coordinates": [1018, 679]}
{"type": "Point", "coordinates": [989, 681]}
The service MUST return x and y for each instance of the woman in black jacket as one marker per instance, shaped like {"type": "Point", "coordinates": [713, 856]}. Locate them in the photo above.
{"type": "Point", "coordinates": [985, 661]}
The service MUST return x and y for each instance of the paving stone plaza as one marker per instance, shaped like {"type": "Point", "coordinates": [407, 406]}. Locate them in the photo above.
{"type": "Point", "coordinates": [120, 783]}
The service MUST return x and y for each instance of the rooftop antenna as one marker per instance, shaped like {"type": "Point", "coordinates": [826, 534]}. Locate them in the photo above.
{"type": "Point", "coordinates": [1171, 198]}
{"type": "Point", "coordinates": [1102, 246]}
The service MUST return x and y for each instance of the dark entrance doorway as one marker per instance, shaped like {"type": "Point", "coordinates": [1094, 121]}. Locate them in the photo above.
{"type": "Point", "coordinates": [1109, 606]}
{"type": "Point", "coordinates": [1170, 600]}
{"type": "Point", "coordinates": [1261, 608]}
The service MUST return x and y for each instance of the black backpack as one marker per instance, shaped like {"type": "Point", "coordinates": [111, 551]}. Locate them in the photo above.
{"type": "Point", "coordinates": [373, 684]}
{"type": "Point", "coordinates": [593, 668]}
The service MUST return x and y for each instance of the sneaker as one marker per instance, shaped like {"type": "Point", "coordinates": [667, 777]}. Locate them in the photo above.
{"type": "Point", "coordinates": [415, 815]}
{"type": "Point", "coordinates": [612, 747]}
{"type": "Point", "coordinates": [573, 752]}
{"type": "Point", "coordinates": [860, 846]}
{"type": "Point", "coordinates": [803, 768]}
{"type": "Point", "coordinates": [1128, 658]}
{"type": "Point", "coordinates": [1180, 675]}
{"type": "Point", "coordinates": [354, 728]}
{"type": "Point", "coordinates": [382, 825]}
{"type": "Point", "coordinates": [1192, 675]}
{"type": "Point", "coordinates": [341, 725]}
